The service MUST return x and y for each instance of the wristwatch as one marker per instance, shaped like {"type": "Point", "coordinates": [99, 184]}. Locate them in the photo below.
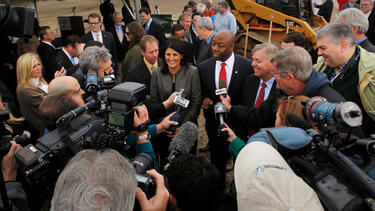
{"type": "Point", "coordinates": [146, 136]}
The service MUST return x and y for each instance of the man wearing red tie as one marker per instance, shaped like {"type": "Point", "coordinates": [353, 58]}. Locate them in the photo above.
{"type": "Point", "coordinates": [259, 86]}
{"type": "Point", "coordinates": [224, 70]}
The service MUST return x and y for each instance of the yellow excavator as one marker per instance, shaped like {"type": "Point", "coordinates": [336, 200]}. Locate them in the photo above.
{"type": "Point", "coordinates": [270, 20]}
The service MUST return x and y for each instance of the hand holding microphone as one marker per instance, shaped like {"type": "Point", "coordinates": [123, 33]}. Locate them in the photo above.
{"type": "Point", "coordinates": [180, 102]}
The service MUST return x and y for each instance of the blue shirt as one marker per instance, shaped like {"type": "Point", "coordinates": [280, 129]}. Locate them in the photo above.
{"type": "Point", "coordinates": [360, 41]}
{"type": "Point", "coordinates": [210, 38]}
{"type": "Point", "coordinates": [147, 25]}
{"type": "Point", "coordinates": [267, 89]}
{"type": "Point", "coordinates": [225, 21]}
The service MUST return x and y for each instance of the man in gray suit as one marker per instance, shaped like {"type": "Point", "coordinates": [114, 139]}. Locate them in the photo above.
{"type": "Point", "coordinates": [358, 22]}
{"type": "Point", "coordinates": [350, 4]}
{"type": "Point", "coordinates": [205, 31]}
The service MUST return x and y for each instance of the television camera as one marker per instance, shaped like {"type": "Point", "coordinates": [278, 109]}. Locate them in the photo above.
{"type": "Point", "coordinates": [336, 167]}
{"type": "Point", "coordinates": [108, 124]}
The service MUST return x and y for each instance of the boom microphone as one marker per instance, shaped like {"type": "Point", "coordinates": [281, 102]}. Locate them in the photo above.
{"type": "Point", "coordinates": [183, 142]}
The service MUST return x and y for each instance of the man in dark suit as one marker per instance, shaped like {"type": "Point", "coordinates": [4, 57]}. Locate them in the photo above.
{"type": "Point", "coordinates": [141, 73]}
{"type": "Point", "coordinates": [325, 9]}
{"type": "Point", "coordinates": [367, 7]}
{"type": "Point", "coordinates": [47, 52]}
{"type": "Point", "coordinates": [231, 69]}
{"type": "Point", "coordinates": [152, 28]}
{"type": "Point", "coordinates": [67, 57]}
{"type": "Point", "coordinates": [118, 32]}
{"type": "Point", "coordinates": [258, 87]}
{"type": "Point", "coordinates": [350, 4]}
{"type": "Point", "coordinates": [104, 37]}
{"type": "Point", "coordinates": [205, 30]}
{"type": "Point", "coordinates": [194, 35]}
{"type": "Point", "coordinates": [358, 22]}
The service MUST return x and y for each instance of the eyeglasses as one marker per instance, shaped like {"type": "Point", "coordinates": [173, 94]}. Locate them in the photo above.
{"type": "Point", "coordinates": [281, 74]}
{"type": "Point", "coordinates": [94, 23]}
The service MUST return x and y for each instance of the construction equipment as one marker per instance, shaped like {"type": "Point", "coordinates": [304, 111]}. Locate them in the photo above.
{"type": "Point", "coordinates": [271, 20]}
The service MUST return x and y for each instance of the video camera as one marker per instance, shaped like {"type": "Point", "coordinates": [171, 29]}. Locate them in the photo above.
{"type": "Point", "coordinates": [327, 163]}
{"type": "Point", "coordinates": [94, 83]}
{"type": "Point", "coordinates": [110, 121]}
{"type": "Point", "coordinates": [16, 21]}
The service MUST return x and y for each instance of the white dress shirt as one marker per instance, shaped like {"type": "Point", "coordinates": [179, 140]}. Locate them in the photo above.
{"type": "Point", "coordinates": [228, 67]}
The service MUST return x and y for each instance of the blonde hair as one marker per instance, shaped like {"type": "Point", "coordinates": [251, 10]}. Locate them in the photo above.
{"type": "Point", "coordinates": [288, 105]}
{"type": "Point", "coordinates": [24, 67]}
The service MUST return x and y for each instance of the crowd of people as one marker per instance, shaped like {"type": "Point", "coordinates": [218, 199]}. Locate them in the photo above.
{"type": "Point", "coordinates": [196, 60]}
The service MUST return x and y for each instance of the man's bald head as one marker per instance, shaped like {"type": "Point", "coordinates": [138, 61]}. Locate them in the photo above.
{"type": "Point", "coordinates": [223, 45]}
{"type": "Point", "coordinates": [63, 84]}
{"type": "Point", "coordinates": [67, 84]}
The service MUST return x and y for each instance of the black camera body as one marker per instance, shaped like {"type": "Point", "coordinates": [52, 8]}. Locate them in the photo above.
{"type": "Point", "coordinates": [43, 162]}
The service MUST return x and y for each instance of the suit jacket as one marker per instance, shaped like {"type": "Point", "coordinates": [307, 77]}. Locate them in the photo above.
{"type": "Point", "coordinates": [249, 90]}
{"type": "Point", "coordinates": [188, 79]}
{"type": "Point", "coordinates": [241, 69]}
{"type": "Point", "coordinates": [140, 74]}
{"type": "Point", "coordinates": [108, 41]}
{"type": "Point", "coordinates": [325, 10]}
{"type": "Point", "coordinates": [249, 93]}
{"type": "Point", "coordinates": [366, 44]}
{"type": "Point", "coordinates": [47, 54]}
{"type": "Point", "coordinates": [121, 47]}
{"type": "Point", "coordinates": [156, 30]}
{"type": "Point", "coordinates": [196, 44]}
{"type": "Point", "coordinates": [62, 59]}
{"type": "Point", "coordinates": [204, 51]}
{"type": "Point", "coordinates": [371, 27]}
{"type": "Point", "coordinates": [29, 99]}
{"type": "Point", "coordinates": [345, 6]}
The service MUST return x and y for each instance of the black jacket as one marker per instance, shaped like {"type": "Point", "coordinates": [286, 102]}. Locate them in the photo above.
{"type": "Point", "coordinates": [325, 10]}
{"type": "Point", "coordinates": [47, 54]}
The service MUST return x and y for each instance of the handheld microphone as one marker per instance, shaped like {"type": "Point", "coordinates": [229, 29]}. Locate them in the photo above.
{"type": "Point", "coordinates": [183, 142]}
{"type": "Point", "coordinates": [180, 102]}
{"type": "Point", "coordinates": [220, 110]}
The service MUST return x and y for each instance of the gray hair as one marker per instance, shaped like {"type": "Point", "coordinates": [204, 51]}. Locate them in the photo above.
{"type": "Point", "coordinates": [201, 7]}
{"type": "Point", "coordinates": [95, 179]}
{"type": "Point", "coordinates": [270, 50]}
{"type": "Point", "coordinates": [335, 32]}
{"type": "Point", "coordinates": [90, 57]}
{"type": "Point", "coordinates": [295, 60]}
{"type": "Point", "coordinates": [205, 22]}
{"type": "Point", "coordinates": [183, 15]}
{"type": "Point", "coordinates": [354, 17]}
{"type": "Point", "coordinates": [371, 1]}
{"type": "Point", "coordinates": [224, 4]}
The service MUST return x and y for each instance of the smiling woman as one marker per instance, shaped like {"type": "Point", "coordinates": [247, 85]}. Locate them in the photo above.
{"type": "Point", "coordinates": [31, 89]}
{"type": "Point", "coordinates": [174, 75]}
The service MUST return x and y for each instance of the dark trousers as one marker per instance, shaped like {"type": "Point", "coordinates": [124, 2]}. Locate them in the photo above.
{"type": "Point", "coordinates": [218, 147]}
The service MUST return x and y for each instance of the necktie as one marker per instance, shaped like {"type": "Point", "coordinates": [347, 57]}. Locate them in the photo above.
{"type": "Point", "coordinates": [146, 28]}
{"type": "Point", "coordinates": [72, 58]}
{"type": "Point", "coordinates": [223, 74]}
{"type": "Point", "coordinates": [260, 96]}
{"type": "Point", "coordinates": [97, 37]}
{"type": "Point", "coordinates": [119, 33]}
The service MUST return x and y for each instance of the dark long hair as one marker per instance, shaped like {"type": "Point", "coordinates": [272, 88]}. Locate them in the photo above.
{"type": "Point", "coordinates": [137, 31]}
{"type": "Point", "coordinates": [177, 45]}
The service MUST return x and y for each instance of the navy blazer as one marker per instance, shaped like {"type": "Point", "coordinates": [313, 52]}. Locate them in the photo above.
{"type": "Point", "coordinates": [108, 41]}
{"type": "Point", "coordinates": [156, 30]}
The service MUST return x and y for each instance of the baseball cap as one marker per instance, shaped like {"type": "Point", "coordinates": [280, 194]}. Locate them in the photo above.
{"type": "Point", "coordinates": [265, 182]}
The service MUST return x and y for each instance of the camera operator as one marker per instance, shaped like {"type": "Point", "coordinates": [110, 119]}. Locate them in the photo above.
{"type": "Point", "coordinates": [16, 195]}
{"type": "Point", "coordinates": [104, 180]}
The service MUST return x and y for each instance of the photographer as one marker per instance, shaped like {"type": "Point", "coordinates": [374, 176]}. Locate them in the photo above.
{"type": "Point", "coordinates": [103, 180]}
{"type": "Point", "coordinates": [16, 195]}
